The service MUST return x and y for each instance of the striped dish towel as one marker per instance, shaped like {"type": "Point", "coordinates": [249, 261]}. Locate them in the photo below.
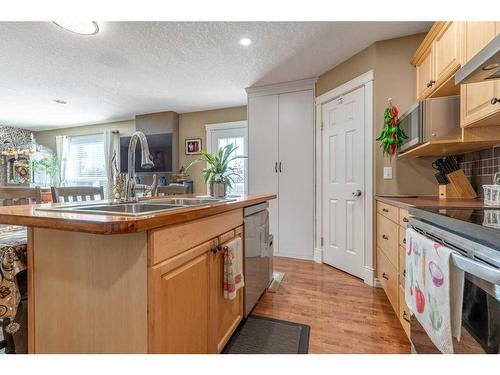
{"type": "Point", "coordinates": [233, 268]}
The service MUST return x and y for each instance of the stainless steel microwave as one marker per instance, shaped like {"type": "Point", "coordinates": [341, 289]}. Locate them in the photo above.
{"type": "Point", "coordinates": [431, 120]}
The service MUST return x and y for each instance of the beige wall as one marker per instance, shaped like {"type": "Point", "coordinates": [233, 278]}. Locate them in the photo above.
{"type": "Point", "coordinates": [192, 125]}
{"type": "Point", "coordinates": [48, 137]}
{"type": "Point", "coordinates": [394, 78]}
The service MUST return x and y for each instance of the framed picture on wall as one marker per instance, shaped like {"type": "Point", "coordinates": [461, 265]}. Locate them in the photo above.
{"type": "Point", "coordinates": [193, 146]}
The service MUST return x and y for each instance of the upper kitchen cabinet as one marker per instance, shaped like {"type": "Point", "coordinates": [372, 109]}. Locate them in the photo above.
{"type": "Point", "coordinates": [437, 59]}
{"type": "Point", "coordinates": [478, 106]}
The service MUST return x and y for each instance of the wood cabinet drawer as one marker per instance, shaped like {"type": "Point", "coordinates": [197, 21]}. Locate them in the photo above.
{"type": "Point", "coordinates": [388, 277]}
{"type": "Point", "coordinates": [175, 239]}
{"type": "Point", "coordinates": [403, 217]}
{"type": "Point", "coordinates": [402, 236]}
{"type": "Point", "coordinates": [402, 265]}
{"type": "Point", "coordinates": [388, 238]}
{"type": "Point", "coordinates": [404, 312]}
{"type": "Point", "coordinates": [388, 211]}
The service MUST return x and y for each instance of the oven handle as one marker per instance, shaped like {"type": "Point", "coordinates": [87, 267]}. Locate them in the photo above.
{"type": "Point", "coordinates": [477, 269]}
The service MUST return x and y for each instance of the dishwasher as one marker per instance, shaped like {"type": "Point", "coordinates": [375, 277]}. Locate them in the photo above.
{"type": "Point", "coordinates": [258, 266]}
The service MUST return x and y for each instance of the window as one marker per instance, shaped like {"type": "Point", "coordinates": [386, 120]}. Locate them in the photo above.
{"type": "Point", "coordinates": [86, 165]}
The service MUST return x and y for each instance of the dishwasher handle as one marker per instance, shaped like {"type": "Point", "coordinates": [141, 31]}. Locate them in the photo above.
{"type": "Point", "coordinates": [477, 269]}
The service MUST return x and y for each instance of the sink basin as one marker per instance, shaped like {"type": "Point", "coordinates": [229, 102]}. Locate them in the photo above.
{"type": "Point", "coordinates": [137, 208]}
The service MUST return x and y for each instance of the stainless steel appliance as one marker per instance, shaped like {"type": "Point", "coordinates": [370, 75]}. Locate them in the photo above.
{"type": "Point", "coordinates": [477, 252]}
{"type": "Point", "coordinates": [484, 66]}
{"type": "Point", "coordinates": [431, 119]}
{"type": "Point", "coordinates": [258, 254]}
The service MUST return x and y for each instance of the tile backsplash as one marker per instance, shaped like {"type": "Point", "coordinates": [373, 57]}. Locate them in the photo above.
{"type": "Point", "coordinates": [480, 166]}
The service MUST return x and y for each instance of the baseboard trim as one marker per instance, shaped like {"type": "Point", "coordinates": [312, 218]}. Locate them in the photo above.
{"type": "Point", "coordinates": [377, 283]}
{"type": "Point", "coordinates": [301, 257]}
{"type": "Point", "coordinates": [369, 276]}
{"type": "Point", "coordinates": [318, 255]}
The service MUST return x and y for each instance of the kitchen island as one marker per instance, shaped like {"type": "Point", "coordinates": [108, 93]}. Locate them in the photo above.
{"type": "Point", "coordinates": [130, 284]}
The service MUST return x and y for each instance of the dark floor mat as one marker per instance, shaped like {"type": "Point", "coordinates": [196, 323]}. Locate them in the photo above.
{"type": "Point", "coordinates": [259, 335]}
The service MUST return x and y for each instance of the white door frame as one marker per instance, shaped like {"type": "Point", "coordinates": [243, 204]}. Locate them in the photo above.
{"type": "Point", "coordinates": [210, 128]}
{"type": "Point", "coordinates": [365, 80]}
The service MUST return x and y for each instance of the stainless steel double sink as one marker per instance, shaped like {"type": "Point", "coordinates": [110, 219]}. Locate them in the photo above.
{"type": "Point", "coordinates": [146, 207]}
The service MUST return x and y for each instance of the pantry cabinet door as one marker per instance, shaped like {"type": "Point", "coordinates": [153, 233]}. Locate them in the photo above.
{"type": "Point", "coordinates": [263, 153]}
{"type": "Point", "coordinates": [179, 305]}
{"type": "Point", "coordinates": [446, 50]}
{"type": "Point", "coordinates": [425, 74]}
{"type": "Point", "coordinates": [225, 314]}
{"type": "Point", "coordinates": [476, 97]}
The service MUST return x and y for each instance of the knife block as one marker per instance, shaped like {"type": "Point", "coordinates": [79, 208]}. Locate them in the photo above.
{"type": "Point", "coordinates": [458, 188]}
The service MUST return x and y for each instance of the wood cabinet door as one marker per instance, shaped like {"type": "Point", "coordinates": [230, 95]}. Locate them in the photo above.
{"type": "Point", "coordinates": [179, 303]}
{"type": "Point", "coordinates": [225, 315]}
{"type": "Point", "coordinates": [446, 51]}
{"type": "Point", "coordinates": [425, 74]}
{"type": "Point", "coordinates": [476, 97]}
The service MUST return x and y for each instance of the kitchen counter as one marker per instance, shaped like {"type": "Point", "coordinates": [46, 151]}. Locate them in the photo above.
{"type": "Point", "coordinates": [407, 202]}
{"type": "Point", "coordinates": [116, 224]}
{"type": "Point", "coordinates": [131, 284]}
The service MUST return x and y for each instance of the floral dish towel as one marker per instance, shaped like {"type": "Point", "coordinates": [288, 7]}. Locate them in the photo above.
{"type": "Point", "coordinates": [434, 289]}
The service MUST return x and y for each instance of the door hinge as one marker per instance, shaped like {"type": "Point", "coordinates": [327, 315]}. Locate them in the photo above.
{"type": "Point", "coordinates": [322, 125]}
{"type": "Point", "coordinates": [321, 242]}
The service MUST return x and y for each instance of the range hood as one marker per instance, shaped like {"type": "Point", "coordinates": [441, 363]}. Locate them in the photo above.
{"type": "Point", "coordinates": [485, 66]}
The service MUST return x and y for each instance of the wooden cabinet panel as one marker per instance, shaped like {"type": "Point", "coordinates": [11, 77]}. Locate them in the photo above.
{"type": "Point", "coordinates": [388, 276]}
{"type": "Point", "coordinates": [404, 312]}
{"type": "Point", "coordinates": [388, 238]}
{"type": "Point", "coordinates": [388, 211]}
{"type": "Point", "coordinates": [446, 51]}
{"type": "Point", "coordinates": [402, 265]}
{"type": "Point", "coordinates": [425, 74]}
{"type": "Point", "coordinates": [476, 98]}
{"type": "Point", "coordinates": [225, 314]}
{"type": "Point", "coordinates": [403, 217]}
{"type": "Point", "coordinates": [179, 305]}
{"type": "Point", "coordinates": [173, 240]}
{"type": "Point", "coordinates": [402, 236]}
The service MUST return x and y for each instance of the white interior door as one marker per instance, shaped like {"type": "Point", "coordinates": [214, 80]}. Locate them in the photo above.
{"type": "Point", "coordinates": [296, 174]}
{"type": "Point", "coordinates": [343, 182]}
{"type": "Point", "coordinates": [220, 136]}
{"type": "Point", "coordinates": [263, 153]}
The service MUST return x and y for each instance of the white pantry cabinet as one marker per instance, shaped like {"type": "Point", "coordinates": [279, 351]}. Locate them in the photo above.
{"type": "Point", "coordinates": [281, 160]}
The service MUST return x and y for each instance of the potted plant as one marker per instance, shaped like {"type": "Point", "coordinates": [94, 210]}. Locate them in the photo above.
{"type": "Point", "coordinates": [219, 174]}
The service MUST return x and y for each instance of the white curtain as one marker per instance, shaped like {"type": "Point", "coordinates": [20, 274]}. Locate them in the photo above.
{"type": "Point", "coordinates": [62, 150]}
{"type": "Point", "coordinates": [111, 149]}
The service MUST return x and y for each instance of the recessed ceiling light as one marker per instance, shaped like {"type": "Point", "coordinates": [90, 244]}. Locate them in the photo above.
{"type": "Point", "coordinates": [59, 101]}
{"type": "Point", "coordinates": [245, 42]}
{"type": "Point", "coordinates": [79, 27]}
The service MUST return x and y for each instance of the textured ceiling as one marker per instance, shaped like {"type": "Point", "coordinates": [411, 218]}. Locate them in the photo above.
{"type": "Point", "coordinates": [134, 68]}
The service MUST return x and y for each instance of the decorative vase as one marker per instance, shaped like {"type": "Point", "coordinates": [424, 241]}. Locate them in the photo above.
{"type": "Point", "coordinates": [217, 189]}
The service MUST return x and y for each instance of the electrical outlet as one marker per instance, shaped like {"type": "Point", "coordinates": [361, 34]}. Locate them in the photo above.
{"type": "Point", "coordinates": [387, 173]}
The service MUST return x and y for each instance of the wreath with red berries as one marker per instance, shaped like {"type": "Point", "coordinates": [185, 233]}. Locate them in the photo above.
{"type": "Point", "coordinates": [392, 135]}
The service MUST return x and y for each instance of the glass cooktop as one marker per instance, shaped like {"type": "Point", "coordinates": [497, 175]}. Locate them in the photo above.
{"type": "Point", "coordinates": [488, 217]}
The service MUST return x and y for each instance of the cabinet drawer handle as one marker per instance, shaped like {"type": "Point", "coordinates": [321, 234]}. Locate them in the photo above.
{"type": "Point", "coordinates": [404, 241]}
{"type": "Point", "coordinates": [385, 210]}
{"type": "Point", "coordinates": [385, 276]}
{"type": "Point", "coordinates": [495, 100]}
{"type": "Point", "coordinates": [404, 273]}
{"type": "Point", "coordinates": [276, 167]}
{"type": "Point", "coordinates": [213, 250]}
{"type": "Point", "coordinates": [385, 237]}
{"type": "Point", "coordinates": [405, 317]}
{"type": "Point", "coordinates": [405, 220]}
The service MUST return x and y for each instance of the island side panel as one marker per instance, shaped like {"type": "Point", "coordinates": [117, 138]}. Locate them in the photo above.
{"type": "Point", "coordinates": [89, 292]}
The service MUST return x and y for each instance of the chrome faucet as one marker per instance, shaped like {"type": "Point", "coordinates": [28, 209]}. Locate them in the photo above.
{"type": "Point", "coordinates": [146, 162]}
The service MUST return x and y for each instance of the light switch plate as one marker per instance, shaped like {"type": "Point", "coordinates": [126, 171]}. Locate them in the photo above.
{"type": "Point", "coordinates": [387, 173]}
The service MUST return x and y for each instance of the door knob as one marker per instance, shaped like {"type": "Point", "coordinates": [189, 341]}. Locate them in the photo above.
{"type": "Point", "coordinates": [356, 193]}
{"type": "Point", "coordinates": [495, 100]}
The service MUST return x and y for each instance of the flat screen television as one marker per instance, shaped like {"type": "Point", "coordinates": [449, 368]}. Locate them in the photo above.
{"type": "Point", "coordinates": [160, 148]}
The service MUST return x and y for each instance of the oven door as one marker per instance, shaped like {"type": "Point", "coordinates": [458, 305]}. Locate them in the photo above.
{"type": "Point", "coordinates": [480, 321]}
{"type": "Point", "coordinates": [411, 122]}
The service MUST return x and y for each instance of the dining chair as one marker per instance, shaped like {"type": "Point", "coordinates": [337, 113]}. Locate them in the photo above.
{"type": "Point", "coordinates": [171, 190]}
{"type": "Point", "coordinates": [77, 193]}
{"type": "Point", "coordinates": [14, 195]}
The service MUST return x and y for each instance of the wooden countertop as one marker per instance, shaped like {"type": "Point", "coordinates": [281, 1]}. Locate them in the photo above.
{"type": "Point", "coordinates": [405, 202]}
{"type": "Point", "coordinates": [114, 224]}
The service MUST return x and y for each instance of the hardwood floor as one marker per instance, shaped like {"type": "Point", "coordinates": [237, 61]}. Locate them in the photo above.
{"type": "Point", "coordinates": [345, 315]}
